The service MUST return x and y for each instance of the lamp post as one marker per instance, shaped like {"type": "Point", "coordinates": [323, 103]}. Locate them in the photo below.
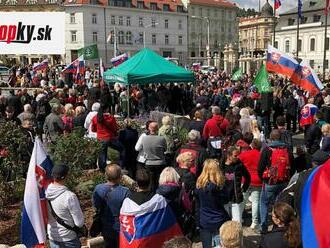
{"type": "Point", "coordinates": [144, 33]}
{"type": "Point", "coordinates": [208, 36]}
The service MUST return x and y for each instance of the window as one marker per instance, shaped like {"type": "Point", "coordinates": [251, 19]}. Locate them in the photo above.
{"type": "Point", "coordinates": [94, 19]}
{"type": "Point", "coordinates": [180, 24]}
{"type": "Point", "coordinates": [193, 54]}
{"type": "Point", "coordinates": [140, 5]}
{"type": "Point", "coordinates": [72, 18]}
{"type": "Point", "coordinates": [327, 44]}
{"type": "Point", "coordinates": [326, 65]}
{"type": "Point", "coordinates": [140, 22]}
{"type": "Point", "coordinates": [223, 14]}
{"type": "Point", "coordinates": [73, 36]}
{"type": "Point", "coordinates": [128, 37]}
{"type": "Point", "coordinates": [153, 6]}
{"type": "Point", "coordinates": [179, 8]}
{"type": "Point", "coordinates": [128, 21]}
{"type": "Point", "coordinates": [112, 39]}
{"type": "Point", "coordinates": [166, 23]}
{"type": "Point", "coordinates": [287, 46]}
{"type": "Point", "coordinates": [153, 22]}
{"type": "Point", "coordinates": [312, 63]}
{"type": "Point", "coordinates": [120, 20]}
{"type": "Point", "coordinates": [316, 18]}
{"type": "Point", "coordinates": [166, 39]}
{"type": "Point", "coordinates": [180, 56]}
{"type": "Point", "coordinates": [202, 54]}
{"type": "Point", "coordinates": [291, 21]}
{"type": "Point", "coordinates": [113, 20]}
{"type": "Point", "coordinates": [166, 7]}
{"type": "Point", "coordinates": [141, 38]}
{"type": "Point", "coordinates": [303, 20]}
{"type": "Point", "coordinates": [312, 45]}
{"type": "Point", "coordinates": [153, 39]}
{"type": "Point", "coordinates": [180, 40]}
{"type": "Point", "coordinates": [94, 37]}
{"type": "Point", "coordinates": [121, 37]}
{"type": "Point", "coordinates": [299, 45]}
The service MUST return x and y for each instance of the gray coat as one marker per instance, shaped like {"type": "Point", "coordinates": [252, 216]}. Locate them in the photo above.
{"type": "Point", "coordinates": [53, 126]}
{"type": "Point", "coordinates": [154, 148]}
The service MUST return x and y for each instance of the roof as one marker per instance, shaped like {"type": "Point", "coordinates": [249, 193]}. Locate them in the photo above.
{"type": "Point", "coordinates": [216, 3]}
{"type": "Point", "coordinates": [308, 5]}
{"type": "Point", "coordinates": [267, 10]}
{"type": "Point", "coordinates": [148, 67]}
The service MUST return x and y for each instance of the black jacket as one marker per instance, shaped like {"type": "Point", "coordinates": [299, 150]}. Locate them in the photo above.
{"type": "Point", "coordinates": [325, 109]}
{"type": "Point", "coordinates": [187, 178]}
{"type": "Point", "coordinates": [274, 239]}
{"type": "Point", "coordinates": [234, 174]}
{"type": "Point", "coordinates": [291, 106]}
{"type": "Point", "coordinates": [313, 138]}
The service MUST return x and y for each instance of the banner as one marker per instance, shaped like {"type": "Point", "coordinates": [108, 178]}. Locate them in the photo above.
{"type": "Point", "coordinates": [89, 52]}
{"type": "Point", "coordinates": [32, 33]}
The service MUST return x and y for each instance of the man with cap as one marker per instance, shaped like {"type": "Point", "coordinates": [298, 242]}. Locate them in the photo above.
{"type": "Point", "coordinates": [65, 205]}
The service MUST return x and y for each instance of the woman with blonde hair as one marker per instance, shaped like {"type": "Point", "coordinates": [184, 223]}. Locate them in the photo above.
{"type": "Point", "coordinates": [255, 129]}
{"type": "Point", "coordinates": [67, 117]}
{"type": "Point", "coordinates": [210, 201]}
{"type": "Point", "coordinates": [325, 141]}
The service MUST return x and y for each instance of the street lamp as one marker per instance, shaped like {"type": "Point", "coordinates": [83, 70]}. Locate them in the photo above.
{"type": "Point", "coordinates": [208, 36]}
{"type": "Point", "coordinates": [144, 33]}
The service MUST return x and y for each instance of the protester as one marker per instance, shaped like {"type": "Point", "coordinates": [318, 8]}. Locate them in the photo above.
{"type": "Point", "coordinates": [53, 125]}
{"type": "Point", "coordinates": [107, 199]}
{"type": "Point", "coordinates": [27, 113]}
{"type": "Point", "coordinates": [79, 118]}
{"type": "Point", "coordinates": [245, 121]}
{"type": "Point", "coordinates": [88, 120]}
{"type": "Point", "coordinates": [67, 118]}
{"type": "Point", "coordinates": [65, 204]}
{"type": "Point", "coordinates": [216, 126]}
{"type": "Point", "coordinates": [178, 242]}
{"type": "Point", "coordinates": [325, 140]}
{"type": "Point", "coordinates": [231, 235]}
{"type": "Point", "coordinates": [197, 123]}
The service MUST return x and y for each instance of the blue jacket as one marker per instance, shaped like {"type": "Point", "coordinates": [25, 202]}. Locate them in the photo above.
{"type": "Point", "coordinates": [210, 210]}
{"type": "Point", "coordinates": [109, 199]}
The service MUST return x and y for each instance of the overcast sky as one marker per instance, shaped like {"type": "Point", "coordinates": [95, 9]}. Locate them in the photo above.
{"type": "Point", "coordinates": [286, 4]}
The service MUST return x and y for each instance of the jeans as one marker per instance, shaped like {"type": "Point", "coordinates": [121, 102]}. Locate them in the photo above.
{"type": "Point", "coordinates": [267, 198]}
{"type": "Point", "coordinates": [235, 210]}
{"type": "Point", "coordinates": [75, 243]}
{"type": "Point", "coordinates": [255, 199]}
{"type": "Point", "coordinates": [208, 236]}
{"type": "Point", "coordinates": [103, 157]}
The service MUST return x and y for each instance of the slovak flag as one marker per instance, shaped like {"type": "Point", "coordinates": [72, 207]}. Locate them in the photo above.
{"type": "Point", "coordinates": [147, 225]}
{"type": "Point", "coordinates": [277, 4]}
{"type": "Point", "coordinates": [76, 66]}
{"type": "Point", "coordinates": [119, 59]}
{"type": "Point", "coordinates": [41, 66]}
{"type": "Point", "coordinates": [315, 216]}
{"type": "Point", "coordinates": [280, 63]}
{"type": "Point", "coordinates": [34, 217]}
{"type": "Point", "coordinates": [305, 77]}
{"type": "Point", "coordinates": [307, 114]}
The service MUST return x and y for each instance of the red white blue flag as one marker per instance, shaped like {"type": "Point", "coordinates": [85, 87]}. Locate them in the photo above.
{"type": "Point", "coordinates": [327, 7]}
{"type": "Point", "coordinates": [305, 77]}
{"type": "Point", "coordinates": [280, 63]}
{"type": "Point", "coordinates": [119, 59]}
{"type": "Point", "coordinates": [34, 217]}
{"type": "Point", "coordinates": [41, 66]}
{"type": "Point", "coordinates": [307, 114]}
{"type": "Point", "coordinates": [147, 225]}
{"type": "Point", "coordinates": [315, 216]}
{"type": "Point", "coordinates": [277, 4]}
{"type": "Point", "coordinates": [77, 66]}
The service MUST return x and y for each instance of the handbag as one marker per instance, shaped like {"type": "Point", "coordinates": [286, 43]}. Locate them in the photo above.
{"type": "Point", "coordinates": [96, 227]}
{"type": "Point", "coordinates": [80, 231]}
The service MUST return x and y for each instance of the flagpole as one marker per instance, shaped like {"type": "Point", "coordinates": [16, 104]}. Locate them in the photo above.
{"type": "Point", "coordinates": [105, 36]}
{"type": "Point", "coordinates": [325, 41]}
{"type": "Point", "coordinates": [274, 30]}
{"type": "Point", "coordinates": [115, 42]}
{"type": "Point", "coordinates": [298, 22]}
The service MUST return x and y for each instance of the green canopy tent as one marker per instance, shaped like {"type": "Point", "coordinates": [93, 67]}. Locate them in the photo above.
{"type": "Point", "coordinates": [147, 67]}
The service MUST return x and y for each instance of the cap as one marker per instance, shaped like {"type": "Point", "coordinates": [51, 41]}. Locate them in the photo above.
{"type": "Point", "coordinates": [60, 171]}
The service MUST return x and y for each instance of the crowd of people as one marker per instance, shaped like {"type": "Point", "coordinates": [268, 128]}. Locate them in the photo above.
{"type": "Point", "coordinates": [238, 150]}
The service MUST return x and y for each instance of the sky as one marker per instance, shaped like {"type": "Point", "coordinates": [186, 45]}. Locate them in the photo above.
{"type": "Point", "coordinates": [286, 4]}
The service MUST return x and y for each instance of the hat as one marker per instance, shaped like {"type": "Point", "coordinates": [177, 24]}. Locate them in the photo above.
{"type": "Point", "coordinates": [60, 171]}
{"type": "Point", "coordinates": [320, 157]}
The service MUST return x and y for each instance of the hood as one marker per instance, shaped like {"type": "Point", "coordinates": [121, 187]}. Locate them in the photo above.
{"type": "Point", "coordinates": [218, 119]}
{"type": "Point", "coordinates": [53, 191]}
{"type": "Point", "coordinates": [169, 191]}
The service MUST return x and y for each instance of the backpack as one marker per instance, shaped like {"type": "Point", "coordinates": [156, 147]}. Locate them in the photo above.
{"type": "Point", "coordinates": [214, 146]}
{"type": "Point", "coordinates": [279, 169]}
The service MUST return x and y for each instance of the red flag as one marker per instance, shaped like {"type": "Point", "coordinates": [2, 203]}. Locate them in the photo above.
{"type": "Point", "coordinates": [277, 4]}
{"type": "Point", "coordinates": [327, 7]}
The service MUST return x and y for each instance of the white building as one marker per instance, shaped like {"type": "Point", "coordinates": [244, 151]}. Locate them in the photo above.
{"type": "Point", "coordinates": [223, 24]}
{"type": "Point", "coordinates": [159, 25]}
{"type": "Point", "coordinates": [311, 34]}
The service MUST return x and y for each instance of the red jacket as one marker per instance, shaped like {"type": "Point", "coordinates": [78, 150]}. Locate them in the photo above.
{"type": "Point", "coordinates": [107, 130]}
{"type": "Point", "coordinates": [250, 160]}
{"type": "Point", "coordinates": [215, 127]}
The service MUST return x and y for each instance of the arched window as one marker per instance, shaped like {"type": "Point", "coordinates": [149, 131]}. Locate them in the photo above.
{"type": "Point", "coordinates": [121, 37]}
{"type": "Point", "coordinates": [312, 44]}
{"type": "Point", "coordinates": [287, 46]}
{"type": "Point", "coordinates": [128, 37]}
{"type": "Point", "coordinates": [276, 44]}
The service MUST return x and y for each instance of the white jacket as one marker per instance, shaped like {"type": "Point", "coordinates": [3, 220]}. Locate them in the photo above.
{"type": "Point", "coordinates": [66, 205]}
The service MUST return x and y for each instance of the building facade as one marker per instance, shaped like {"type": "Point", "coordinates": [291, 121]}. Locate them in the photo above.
{"type": "Point", "coordinates": [213, 23]}
{"type": "Point", "coordinates": [255, 33]}
{"type": "Point", "coordinates": [311, 34]}
{"type": "Point", "coordinates": [160, 26]}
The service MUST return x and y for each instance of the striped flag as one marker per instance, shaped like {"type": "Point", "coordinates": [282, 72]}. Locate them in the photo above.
{"type": "Point", "coordinates": [41, 66]}
{"type": "Point", "coordinates": [76, 65]}
{"type": "Point", "coordinates": [119, 59]}
{"type": "Point", "coordinates": [300, 9]}
{"type": "Point", "coordinates": [277, 4]}
{"type": "Point", "coordinates": [327, 6]}
{"type": "Point", "coordinates": [34, 217]}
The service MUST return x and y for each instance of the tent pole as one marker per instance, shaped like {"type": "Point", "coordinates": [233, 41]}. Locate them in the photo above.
{"type": "Point", "coordinates": [128, 96]}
